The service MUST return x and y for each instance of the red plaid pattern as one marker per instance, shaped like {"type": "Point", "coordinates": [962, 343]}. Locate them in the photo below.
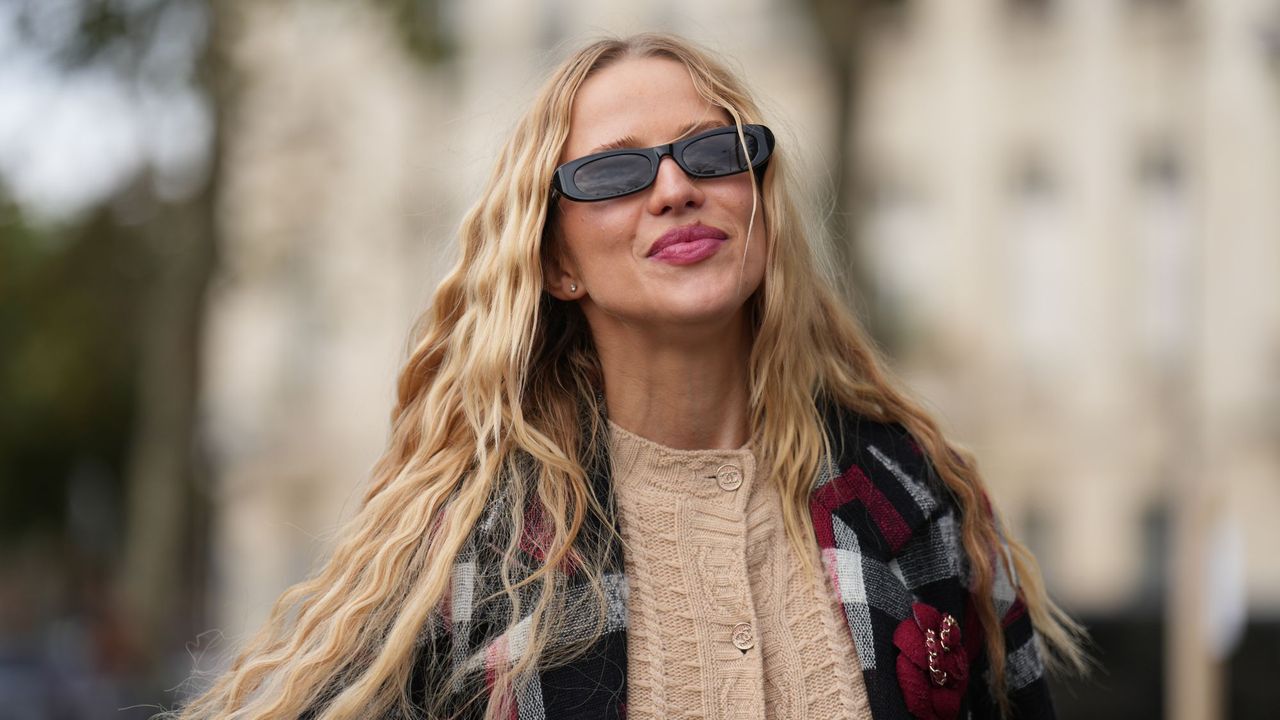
{"type": "Point", "coordinates": [888, 532]}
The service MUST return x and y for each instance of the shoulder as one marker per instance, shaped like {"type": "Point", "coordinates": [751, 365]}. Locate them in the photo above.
{"type": "Point", "coordinates": [894, 525]}
{"type": "Point", "coordinates": [881, 477]}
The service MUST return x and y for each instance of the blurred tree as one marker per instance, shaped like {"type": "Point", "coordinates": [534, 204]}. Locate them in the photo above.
{"type": "Point", "coordinates": [101, 323]}
{"type": "Point", "coordinates": [164, 566]}
{"type": "Point", "coordinates": [68, 297]}
{"type": "Point", "coordinates": [162, 572]}
{"type": "Point", "coordinates": [424, 27]}
{"type": "Point", "coordinates": [841, 25]}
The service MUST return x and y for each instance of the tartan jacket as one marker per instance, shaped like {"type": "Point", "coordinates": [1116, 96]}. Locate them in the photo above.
{"type": "Point", "coordinates": [888, 534]}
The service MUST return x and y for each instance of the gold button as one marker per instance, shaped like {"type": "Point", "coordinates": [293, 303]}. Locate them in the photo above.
{"type": "Point", "coordinates": [729, 477]}
{"type": "Point", "coordinates": [743, 637]}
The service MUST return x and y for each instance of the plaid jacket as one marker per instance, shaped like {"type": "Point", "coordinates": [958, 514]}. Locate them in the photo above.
{"type": "Point", "coordinates": [888, 533]}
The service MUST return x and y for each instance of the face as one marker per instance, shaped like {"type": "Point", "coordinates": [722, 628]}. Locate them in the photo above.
{"type": "Point", "coordinates": [606, 248]}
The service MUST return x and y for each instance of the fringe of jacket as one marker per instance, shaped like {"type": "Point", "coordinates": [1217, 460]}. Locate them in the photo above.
{"type": "Point", "coordinates": [889, 537]}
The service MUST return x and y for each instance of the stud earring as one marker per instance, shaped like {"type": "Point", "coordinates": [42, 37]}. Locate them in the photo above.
{"type": "Point", "coordinates": [573, 287]}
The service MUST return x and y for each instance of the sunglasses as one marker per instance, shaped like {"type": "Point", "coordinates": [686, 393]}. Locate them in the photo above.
{"type": "Point", "coordinates": [711, 154]}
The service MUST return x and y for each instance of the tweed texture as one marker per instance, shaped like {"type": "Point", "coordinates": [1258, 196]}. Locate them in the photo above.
{"type": "Point", "coordinates": [888, 535]}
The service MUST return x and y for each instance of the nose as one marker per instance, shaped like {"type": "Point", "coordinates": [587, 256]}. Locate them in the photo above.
{"type": "Point", "coordinates": [673, 190]}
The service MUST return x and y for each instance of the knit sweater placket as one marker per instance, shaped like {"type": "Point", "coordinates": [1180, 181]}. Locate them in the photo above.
{"type": "Point", "coordinates": [724, 622]}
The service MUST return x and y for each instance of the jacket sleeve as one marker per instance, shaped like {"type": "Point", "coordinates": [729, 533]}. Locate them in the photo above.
{"type": "Point", "coordinates": [1026, 685]}
{"type": "Point", "coordinates": [430, 678]}
{"type": "Point", "coordinates": [427, 676]}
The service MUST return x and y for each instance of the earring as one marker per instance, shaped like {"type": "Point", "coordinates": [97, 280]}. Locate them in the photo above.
{"type": "Point", "coordinates": [573, 287]}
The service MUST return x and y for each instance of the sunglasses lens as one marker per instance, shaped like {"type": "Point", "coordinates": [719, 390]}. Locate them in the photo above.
{"type": "Point", "coordinates": [613, 175]}
{"type": "Point", "coordinates": [718, 155]}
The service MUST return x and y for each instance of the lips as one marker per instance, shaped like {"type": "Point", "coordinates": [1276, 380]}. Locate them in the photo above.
{"type": "Point", "coordinates": [685, 234]}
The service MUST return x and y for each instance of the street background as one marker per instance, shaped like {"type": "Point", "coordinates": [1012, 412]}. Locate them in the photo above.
{"type": "Point", "coordinates": [218, 220]}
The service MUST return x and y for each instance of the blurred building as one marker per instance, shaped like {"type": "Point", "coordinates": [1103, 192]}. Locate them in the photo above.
{"type": "Point", "coordinates": [324, 204]}
{"type": "Point", "coordinates": [1068, 212]}
{"type": "Point", "coordinates": [1072, 209]}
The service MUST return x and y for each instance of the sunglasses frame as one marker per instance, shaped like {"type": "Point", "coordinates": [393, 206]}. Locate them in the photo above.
{"type": "Point", "coordinates": [562, 183]}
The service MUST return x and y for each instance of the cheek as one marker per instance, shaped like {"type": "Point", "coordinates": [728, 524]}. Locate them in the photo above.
{"type": "Point", "coordinates": [597, 229]}
{"type": "Point", "coordinates": [738, 196]}
{"type": "Point", "coordinates": [758, 252]}
{"type": "Point", "coordinates": [749, 213]}
{"type": "Point", "coordinates": [577, 227]}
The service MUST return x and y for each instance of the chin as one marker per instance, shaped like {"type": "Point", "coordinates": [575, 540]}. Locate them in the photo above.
{"type": "Point", "coordinates": [704, 311]}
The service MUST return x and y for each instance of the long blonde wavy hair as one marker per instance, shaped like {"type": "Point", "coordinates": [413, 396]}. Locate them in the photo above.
{"type": "Point", "coordinates": [502, 384]}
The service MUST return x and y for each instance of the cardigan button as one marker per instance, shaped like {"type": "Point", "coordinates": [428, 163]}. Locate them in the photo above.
{"type": "Point", "coordinates": [729, 478]}
{"type": "Point", "coordinates": [743, 637]}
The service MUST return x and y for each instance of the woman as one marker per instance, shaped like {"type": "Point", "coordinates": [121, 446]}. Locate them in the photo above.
{"type": "Point", "coordinates": [762, 524]}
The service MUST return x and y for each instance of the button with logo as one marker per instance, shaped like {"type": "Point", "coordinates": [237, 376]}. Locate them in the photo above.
{"type": "Point", "coordinates": [744, 637]}
{"type": "Point", "coordinates": [728, 477]}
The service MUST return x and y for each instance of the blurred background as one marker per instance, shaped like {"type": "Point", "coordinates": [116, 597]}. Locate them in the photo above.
{"type": "Point", "coordinates": [218, 221]}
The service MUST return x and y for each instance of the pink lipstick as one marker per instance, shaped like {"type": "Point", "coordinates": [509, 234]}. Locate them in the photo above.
{"type": "Point", "coordinates": [687, 244]}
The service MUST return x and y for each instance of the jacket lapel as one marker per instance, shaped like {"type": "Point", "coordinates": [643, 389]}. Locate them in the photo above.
{"type": "Point", "coordinates": [872, 518]}
{"type": "Point", "coordinates": [885, 541]}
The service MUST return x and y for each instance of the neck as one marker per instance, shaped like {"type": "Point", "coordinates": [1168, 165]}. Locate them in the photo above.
{"type": "Point", "coordinates": [686, 390]}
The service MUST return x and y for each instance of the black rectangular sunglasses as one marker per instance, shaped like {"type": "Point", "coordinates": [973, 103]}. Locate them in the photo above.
{"type": "Point", "coordinates": [711, 154]}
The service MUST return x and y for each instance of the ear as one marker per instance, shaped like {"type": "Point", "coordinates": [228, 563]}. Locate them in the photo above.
{"type": "Point", "coordinates": [559, 272]}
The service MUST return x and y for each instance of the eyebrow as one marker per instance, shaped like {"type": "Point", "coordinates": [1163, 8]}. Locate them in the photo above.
{"type": "Point", "coordinates": [693, 128]}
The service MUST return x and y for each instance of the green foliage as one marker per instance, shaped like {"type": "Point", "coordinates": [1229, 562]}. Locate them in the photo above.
{"type": "Point", "coordinates": [421, 24]}
{"type": "Point", "coordinates": [68, 348]}
{"type": "Point", "coordinates": [102, 32]}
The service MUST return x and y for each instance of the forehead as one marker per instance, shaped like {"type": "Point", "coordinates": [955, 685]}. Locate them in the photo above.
{"type": "Point", "coordinates": [647, 100]}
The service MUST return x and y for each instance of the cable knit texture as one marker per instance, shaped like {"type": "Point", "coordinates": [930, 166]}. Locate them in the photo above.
{"type": "Point", "coordinates": [724, 620]}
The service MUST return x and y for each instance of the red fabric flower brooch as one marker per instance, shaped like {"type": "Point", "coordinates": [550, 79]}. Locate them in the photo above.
{"type": "Point", "coordinates": [933, 668]}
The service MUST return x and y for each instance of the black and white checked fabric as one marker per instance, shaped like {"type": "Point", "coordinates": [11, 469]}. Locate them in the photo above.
{"type": "Point", "coordinates": [889, 536]}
